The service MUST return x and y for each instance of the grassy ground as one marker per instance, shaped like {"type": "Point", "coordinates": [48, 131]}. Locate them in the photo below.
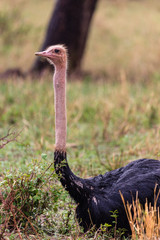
{"type": "Point", "coordinates": [108, 126]}
{"type": "Point", "coordinates": [109, 122]}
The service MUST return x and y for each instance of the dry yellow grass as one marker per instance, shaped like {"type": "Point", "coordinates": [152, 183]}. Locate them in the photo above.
{"type": "Point", "coordinates": [144, 223]}
{"type": "Point", "coordinates": [34, 14]}
{"type": "Point", "coordinates": [125, 37]}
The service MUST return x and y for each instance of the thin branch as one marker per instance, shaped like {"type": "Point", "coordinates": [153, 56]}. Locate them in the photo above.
{"type": "Point", "coordinates": [4, 226]}
{"type": "Point", "coordinates": [28, 221]}
{"type": "Point", "coordinates": [1, 197]}
{"type": "Point", "coordinates": [15, 222]}
{"type": "Point", "coordinates": [10, 137]}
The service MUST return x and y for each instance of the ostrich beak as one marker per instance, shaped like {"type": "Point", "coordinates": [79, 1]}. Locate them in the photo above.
{"type": "Point", "coordinates": [43, 54]}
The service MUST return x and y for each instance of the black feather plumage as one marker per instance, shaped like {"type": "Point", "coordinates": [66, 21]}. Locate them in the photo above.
{"type": "Point", "coordinates": [96, 197]}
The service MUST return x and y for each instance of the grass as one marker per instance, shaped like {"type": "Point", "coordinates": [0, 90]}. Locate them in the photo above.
{"type": "Point", "coordinates": [108, 126]}
{"type": "Point", "coordinates": [122, 39]}
{"type": "Point", "coordinates": [145, 222]}
{"type": "Point", "coordinates": [111, 121]}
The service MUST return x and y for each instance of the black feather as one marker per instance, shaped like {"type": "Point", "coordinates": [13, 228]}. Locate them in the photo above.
{"type": "Point", "coordinates": [97, 197]}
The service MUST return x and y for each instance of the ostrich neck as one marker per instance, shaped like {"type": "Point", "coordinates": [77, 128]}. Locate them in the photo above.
{"type": "Point", "coordinates": [59, 82]}
{"type": "Point", "coordinates": [73, 184]}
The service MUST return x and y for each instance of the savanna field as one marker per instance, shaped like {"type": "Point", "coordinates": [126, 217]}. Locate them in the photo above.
{"type": "Point", "coordinates": [113, 114]}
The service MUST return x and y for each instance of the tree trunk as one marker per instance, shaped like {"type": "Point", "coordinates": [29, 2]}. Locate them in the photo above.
{"type": "Point", "coordinates": [69, 25]}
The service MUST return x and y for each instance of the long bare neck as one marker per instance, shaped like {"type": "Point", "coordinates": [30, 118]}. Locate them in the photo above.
{"type": "Point", "coordinates": [59, 81]}
{"type": "Point", "coordinates": [73, 184]}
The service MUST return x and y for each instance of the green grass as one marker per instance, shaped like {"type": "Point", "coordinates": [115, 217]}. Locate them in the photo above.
{"type": "Point", "coordinates": [106, 116]}
{"type": "Point", "coordinates": [108, 126]}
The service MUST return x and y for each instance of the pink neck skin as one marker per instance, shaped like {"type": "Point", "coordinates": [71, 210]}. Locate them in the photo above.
{"type": "Point", "coordinates": [59, 82]}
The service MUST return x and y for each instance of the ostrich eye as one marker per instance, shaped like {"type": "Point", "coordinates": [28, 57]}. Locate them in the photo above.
{"type": "Point", "coordinates": [56, 50]}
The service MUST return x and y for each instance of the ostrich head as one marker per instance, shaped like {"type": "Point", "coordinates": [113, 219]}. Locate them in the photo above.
{"type": "Point", "coordinates": [56, 55]}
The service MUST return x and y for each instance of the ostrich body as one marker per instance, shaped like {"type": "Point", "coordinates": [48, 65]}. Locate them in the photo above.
{"type": "Point", "coordinates": [96, 197]}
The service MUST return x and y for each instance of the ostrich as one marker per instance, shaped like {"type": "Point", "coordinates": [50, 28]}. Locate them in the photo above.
{"type": "Point", "coordinates": [96, 197]}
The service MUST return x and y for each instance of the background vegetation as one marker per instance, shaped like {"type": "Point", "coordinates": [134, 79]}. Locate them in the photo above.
{"type": "Point", "coordinates": [113, 113]}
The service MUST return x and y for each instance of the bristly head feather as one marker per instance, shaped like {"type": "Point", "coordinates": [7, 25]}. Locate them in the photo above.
{"type": "Point", "coordinates": [56, 55]}
{"type": "Point", "coordinates": [63, 56]}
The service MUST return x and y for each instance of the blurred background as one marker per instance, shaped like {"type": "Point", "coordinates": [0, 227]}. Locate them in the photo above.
{"type": "Point", "coordinates": [124, 36]}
